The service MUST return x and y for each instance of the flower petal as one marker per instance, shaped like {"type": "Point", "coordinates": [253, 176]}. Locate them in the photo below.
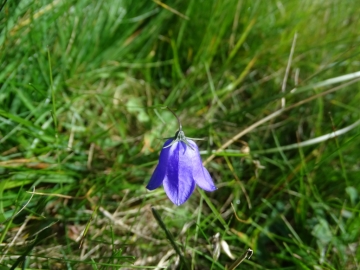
{"type": "Point", "coordinates": [200, 174]}
{"type": "Point", "coordinates": [160, 171]}
{"type": "Point", "coordinates": [179, 183]}
{"type": "Point", "coordinates": [205, 183]}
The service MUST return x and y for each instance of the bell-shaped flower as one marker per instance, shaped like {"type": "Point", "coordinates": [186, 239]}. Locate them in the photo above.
{"type": "Point", "coordinates": [180, 169]}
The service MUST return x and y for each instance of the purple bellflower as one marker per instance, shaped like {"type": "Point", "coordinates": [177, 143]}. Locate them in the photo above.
{"type": "Point", "coordinates": [180, 169]}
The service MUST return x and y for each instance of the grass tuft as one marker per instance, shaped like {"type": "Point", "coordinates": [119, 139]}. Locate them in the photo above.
{"type": "Point", "coordinates": [272, 86]}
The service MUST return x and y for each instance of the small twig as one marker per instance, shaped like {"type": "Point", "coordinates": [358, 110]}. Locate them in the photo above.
{"type": "Point", "coordinates": [242, 133]}
{"type": "Point", "coordinates": [247, 255]}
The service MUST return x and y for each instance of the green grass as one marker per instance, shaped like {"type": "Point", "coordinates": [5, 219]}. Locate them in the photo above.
{"type": "Point", "coordinates": [83, 87]}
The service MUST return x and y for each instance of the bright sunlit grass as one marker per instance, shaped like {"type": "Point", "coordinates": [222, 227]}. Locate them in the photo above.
{"type": "Point", "coordinates": [273, 87]}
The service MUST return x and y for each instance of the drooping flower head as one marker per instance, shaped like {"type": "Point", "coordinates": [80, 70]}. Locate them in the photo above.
{"type": "Point", "coordinates": [180, 169]}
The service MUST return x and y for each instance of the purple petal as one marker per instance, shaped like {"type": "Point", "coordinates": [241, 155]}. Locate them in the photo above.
{"type": "Point", "coordinates": [200, 174]}
{"type": "Point", "coordinates": [160, 171]}
{"type": "Point", "coordinates": [179, 183]}
{"type": "Point", "coordinates": [206, 183]}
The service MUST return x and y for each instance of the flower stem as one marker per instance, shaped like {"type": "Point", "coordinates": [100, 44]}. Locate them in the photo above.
{"type": "Point", "coordinates": [170, 237]}
{"type": "Point", "coordinates": [180, 126]}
